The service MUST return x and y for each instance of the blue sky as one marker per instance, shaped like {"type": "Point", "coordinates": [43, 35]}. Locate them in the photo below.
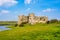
{"type": "Point", "coordinates": [10, 9]}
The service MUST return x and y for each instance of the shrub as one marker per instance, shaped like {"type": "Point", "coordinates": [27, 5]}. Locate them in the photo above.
{"type": "Point", "coordinates": [16, 25]}
{"type": "Point", "coordinates": [54, 21]}
{"type": "Point", "coordinates": [48, 22]}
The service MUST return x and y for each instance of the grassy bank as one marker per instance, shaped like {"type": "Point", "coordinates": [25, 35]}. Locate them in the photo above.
{"type": "Point", "coordinates": [3, 23]}
{"type": "Point", "coordinates": [32, 32]}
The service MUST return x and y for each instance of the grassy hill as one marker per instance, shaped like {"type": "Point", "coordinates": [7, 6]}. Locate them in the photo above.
{"type": "Point", "coordinates": [32, 32]}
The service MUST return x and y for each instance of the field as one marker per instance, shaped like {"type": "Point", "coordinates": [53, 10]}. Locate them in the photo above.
{"type": "Point", "coordinates": [7, 23]}
{"type": "Point", "coordinates": [32, 32]}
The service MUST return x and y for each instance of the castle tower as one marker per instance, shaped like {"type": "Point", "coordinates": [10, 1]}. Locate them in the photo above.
{"type": "Point", "coordinates": [20, 18]}
{"type": "Point", "coordinates": [31, 18]}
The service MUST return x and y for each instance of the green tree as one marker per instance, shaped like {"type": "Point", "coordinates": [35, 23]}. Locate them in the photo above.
{"type": "Point", "coordinates": [53, 21]}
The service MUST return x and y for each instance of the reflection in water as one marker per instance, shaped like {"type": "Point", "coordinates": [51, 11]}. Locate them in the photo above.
{"type": "Point", "coordinates": [2, 28]}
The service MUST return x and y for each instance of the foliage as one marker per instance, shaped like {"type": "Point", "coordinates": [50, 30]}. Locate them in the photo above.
{"type": "Point", "coordinates": [54, 21]}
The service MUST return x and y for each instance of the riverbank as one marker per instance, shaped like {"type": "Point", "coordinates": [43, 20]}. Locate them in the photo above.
{"type": "Point", "coordinates": [32, 32]}
{"type": "Point", "coordinates": [5, 23]}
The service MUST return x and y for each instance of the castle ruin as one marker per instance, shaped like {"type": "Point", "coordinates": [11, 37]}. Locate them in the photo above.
{"type": "Point", "coordinates": [32, 19]}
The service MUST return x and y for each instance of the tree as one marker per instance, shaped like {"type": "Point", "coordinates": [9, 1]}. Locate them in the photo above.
{"type": "Point", "coordinates": [53, 21]}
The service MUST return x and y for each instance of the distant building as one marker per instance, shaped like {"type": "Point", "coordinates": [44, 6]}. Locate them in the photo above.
{"type": "Point", "coordinates": [32, 19]}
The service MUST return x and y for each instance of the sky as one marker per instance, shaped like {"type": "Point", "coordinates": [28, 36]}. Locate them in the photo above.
{"type": "Point", "coordinates": [10, 9]}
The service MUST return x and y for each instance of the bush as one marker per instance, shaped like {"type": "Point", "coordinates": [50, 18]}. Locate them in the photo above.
{"type": "Point", "coordinates": [16, 25]}
{"type": "Point", "coordinates": [22, 25]}
{"type": "Point", "coordinates": [54, 21]}
{"type": "Point", "coordinates": [48, 22]}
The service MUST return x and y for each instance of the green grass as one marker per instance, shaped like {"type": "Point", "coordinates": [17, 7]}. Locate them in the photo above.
{"type": "Point", "coordinates": [32, 32]}
{"type": "Point", "coordinates": [4, 23]}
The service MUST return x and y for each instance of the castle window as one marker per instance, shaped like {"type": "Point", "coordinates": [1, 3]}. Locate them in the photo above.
{"type": "Point", "coordinates": [43, 19]}
{"type": "Point", "coordinates": [40, 18]}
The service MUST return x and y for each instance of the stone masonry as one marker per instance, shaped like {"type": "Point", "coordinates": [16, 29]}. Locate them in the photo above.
{"type": "Point", "coordinates": [32, 19]}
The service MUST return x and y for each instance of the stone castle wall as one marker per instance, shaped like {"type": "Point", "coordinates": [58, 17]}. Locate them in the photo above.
{"type": "Point", "coordinates": [32, 19]}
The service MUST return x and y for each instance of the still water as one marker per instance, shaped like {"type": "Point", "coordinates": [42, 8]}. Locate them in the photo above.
{"type": "Point", "coordinates": [2, 28]}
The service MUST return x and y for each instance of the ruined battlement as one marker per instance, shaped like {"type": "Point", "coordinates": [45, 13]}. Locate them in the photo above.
{"type": "Point", "coordinates": [32, 19]}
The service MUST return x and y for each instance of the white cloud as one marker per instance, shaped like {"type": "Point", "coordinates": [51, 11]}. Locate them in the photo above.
{"type": "Point", "coordinates": [27, 1]}
{"type": "Point", "coordinates": [30, 1]}
{"type": "Point", "coordinates": [4, 11]}
{"type": "Point", "coordinates": [35, 1]}
{"type": "Point", "coordinates": [48, 10]}
{"type": "Point", "coordinates": [27, 10]}
{"type": "Point", "coordinates": [8, 2]}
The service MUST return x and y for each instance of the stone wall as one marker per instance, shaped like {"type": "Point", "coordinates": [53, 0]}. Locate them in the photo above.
{"type": "Point", "coordinates": [32, 19]}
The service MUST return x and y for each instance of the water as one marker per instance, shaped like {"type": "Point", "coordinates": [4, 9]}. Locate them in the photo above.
{"type": "Point", "coordinates": [2, 28]}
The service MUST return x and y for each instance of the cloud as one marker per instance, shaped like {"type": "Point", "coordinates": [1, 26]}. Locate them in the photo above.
{"type": "Point", "coordinates": [4, 11]}
{"type": "Point", "coordinates": [34, 1]}
{"type": "Point", "coordinates": [8, 2]}
{"type": "Point", "coordinates": [30, 1]}
{"type": "Point", "coordinates": [27, 10]}
{"type": "Point", "coordinates": [48, 10]}
{"type": "Point", "coordinates": [27, 1]}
